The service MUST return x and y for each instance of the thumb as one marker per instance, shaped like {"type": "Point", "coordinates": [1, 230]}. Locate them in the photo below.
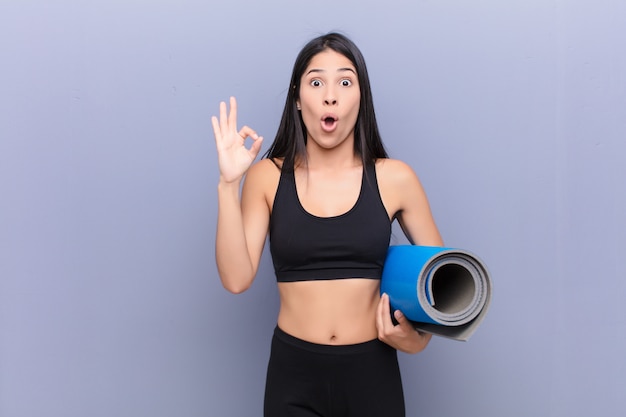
{"type": "Point", "coordinates": [401, 319]}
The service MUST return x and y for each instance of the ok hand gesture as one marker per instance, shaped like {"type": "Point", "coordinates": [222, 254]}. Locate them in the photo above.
{"type": "Point", "coordinates": [234, 158]}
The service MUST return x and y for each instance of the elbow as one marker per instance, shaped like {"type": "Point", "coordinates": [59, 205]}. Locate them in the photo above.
{"type": "Point", "coordinates": [235, 284]}
{"type": "Point", "coordinates": [235, 289]}
{"type": "Point", "coordinates": [235, 278]}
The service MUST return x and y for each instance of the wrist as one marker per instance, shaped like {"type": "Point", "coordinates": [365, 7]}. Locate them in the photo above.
{"type": "Point", "coordinates": [228, 188]}
{"type": "Point", "coordinates": [225, 184]}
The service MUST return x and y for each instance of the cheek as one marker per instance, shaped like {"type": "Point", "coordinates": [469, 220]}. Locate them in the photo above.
{"type": "Point", "coordinates": [356, 108]}
{"type": "Point", "coordinates": [356, 102]}
{"type": "Point", "coordinates": [307, 117]}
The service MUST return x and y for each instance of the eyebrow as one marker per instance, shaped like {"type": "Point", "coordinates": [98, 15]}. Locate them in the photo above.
{"type": "Point", "coordinates": [316, 70]}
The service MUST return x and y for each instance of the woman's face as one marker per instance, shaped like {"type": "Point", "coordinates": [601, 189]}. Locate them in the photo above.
{"type": "Point", "coordinates": [329, 99]}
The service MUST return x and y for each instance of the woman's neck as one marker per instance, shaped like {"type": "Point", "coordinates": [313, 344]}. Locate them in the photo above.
{"type": "Point", "coordinates": [332, 159]}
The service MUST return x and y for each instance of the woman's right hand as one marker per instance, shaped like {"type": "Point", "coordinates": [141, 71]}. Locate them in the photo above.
{"type": "Point", "coordinates": [234, 158]}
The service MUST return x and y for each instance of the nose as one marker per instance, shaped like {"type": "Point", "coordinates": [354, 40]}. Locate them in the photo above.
{"type": "Point", "coordinates": [330, 99]}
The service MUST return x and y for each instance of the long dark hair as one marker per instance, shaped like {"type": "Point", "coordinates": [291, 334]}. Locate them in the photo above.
{"type": "Point", "coordinates": [290, 141]}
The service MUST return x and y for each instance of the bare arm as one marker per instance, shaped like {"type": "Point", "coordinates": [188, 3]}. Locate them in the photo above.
{"type": "Point", "coordinates": [241, 221]}
{"type": "Point", "coordinates": [414, 214]}
{"type": "Point", "coordinates": [404, 194]}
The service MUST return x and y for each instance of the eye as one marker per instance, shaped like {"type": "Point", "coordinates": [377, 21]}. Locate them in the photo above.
{"type": "Point", "coordinates": [316, 83]}
{"type": "Point", "coordinates": [346, 82]}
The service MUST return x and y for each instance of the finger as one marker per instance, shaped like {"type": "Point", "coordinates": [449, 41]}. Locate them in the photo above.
{"type": "Point", "coordinates": [247, 131]}
{"type": "Point", "coordinates": [216, 128]}
{"type": "Point", "coordinates": [223, 118]}
{"type": "Point", "coordinates": [379, 316]}
{"type": "Point", "coordinates": [256, 147]}
{"type": "Point", "coordinates": [386, 309]}
{"type": "Point", "coordinates": [232, 117]}
{"type": "Point", "coordinates": [385, 314]}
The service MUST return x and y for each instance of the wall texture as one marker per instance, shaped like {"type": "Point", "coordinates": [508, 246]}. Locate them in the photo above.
{"type": "Point", "coordinates": [512, 113]}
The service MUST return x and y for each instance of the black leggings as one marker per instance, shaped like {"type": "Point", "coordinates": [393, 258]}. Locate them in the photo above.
{"type": "Point", "coordinates": [309, 380]}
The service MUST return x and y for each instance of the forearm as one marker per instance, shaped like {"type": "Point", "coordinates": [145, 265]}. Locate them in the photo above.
{"type": "Point", "coordinates": [232, 256]}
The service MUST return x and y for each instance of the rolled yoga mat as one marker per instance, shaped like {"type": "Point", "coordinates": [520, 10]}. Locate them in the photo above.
{"type": "Point", "coordinates": [443, 291]}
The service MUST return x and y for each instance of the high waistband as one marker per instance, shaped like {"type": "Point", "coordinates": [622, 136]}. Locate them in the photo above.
{"type": "Point", "coordinates": [363, 347]}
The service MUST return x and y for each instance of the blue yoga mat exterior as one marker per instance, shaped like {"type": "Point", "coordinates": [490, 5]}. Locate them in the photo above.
{"type": "Point", "coordinates": [408, 280]}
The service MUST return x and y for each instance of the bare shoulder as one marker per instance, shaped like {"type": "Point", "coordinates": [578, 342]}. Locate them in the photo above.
{"type": "Point", "coordinates": [399, 187]}
{"type": "Point", "coordinates": [262, 178]}
{"type": "Point", "coordinates": [263, 169]}
{"type": "Point", "coordinates": [394, 173]}
{"type": "Point", "coordinates": [405, 199]}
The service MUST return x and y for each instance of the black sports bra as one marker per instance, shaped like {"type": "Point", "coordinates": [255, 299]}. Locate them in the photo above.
{"type": "Point", "coordinates": [305, 247]}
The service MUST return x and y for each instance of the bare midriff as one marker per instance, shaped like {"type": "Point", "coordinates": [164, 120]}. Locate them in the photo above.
{"type": "Point", "coordinates": [330, 312]}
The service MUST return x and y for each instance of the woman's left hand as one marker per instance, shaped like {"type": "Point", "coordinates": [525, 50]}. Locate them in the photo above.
{"type": "Point", "coordinates": [401, 336]}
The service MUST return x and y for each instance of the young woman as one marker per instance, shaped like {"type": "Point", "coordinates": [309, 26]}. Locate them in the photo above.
{"type": "Point", "coordinates": [327, 194]}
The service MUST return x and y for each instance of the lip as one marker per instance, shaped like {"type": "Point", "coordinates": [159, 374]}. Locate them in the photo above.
{"type": "Point", "coordinates": [328, 122]}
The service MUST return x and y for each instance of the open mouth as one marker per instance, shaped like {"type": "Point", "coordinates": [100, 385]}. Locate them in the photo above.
{"type": "Point", "coordinates": [329, 122]}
